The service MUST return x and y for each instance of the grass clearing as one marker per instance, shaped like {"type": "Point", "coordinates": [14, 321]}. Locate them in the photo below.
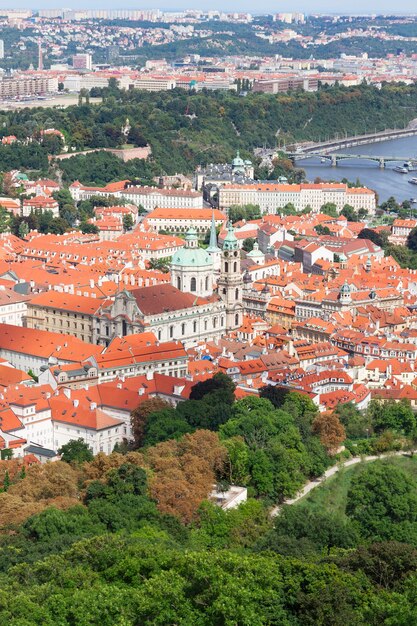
{"type": "Point", "coordinates": [332, 494]}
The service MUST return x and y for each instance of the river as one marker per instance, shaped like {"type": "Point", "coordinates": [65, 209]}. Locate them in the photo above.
{"type": "Point", "coordinates": [385, 182]}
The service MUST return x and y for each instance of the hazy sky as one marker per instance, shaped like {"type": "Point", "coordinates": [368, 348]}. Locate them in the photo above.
{"type": "Point", "coordinates": [308, 6]}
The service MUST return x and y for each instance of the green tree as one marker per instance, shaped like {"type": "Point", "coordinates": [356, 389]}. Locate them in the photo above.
{"type": "Point", "coordinates": [382, 500]}
{"type": "Point", "coordinates": [356, 423]}
{"type": "Point", "coordinates": [276, 395]}
{"type": "Point", "coordinates": [378, 238]}
{"type": "Point", "coordinates": [317, 530]}
{"type": "Point", "coordinates": [140, 415]}
{"type": "Point", "coordinates": [23, 230]}
{"type": "Point", "coordinates": [5, 220]}
{"type": "Point", "coordinates": [396, 416]}
{"type": "Point", "coordinates": [218, 382]}
{"type": "Point", "coordinates": [90, 229]}
{"type": "Point", "coordinates": [127, 222]}
{"type": "Point", "coordinates": [329, 209]}
{"type": "Point", "coordinates": [322, 230]}
{"type": "Point", "coordinates": [386, 564]}
{"type": "Point", "coordinates": [163, 425]}
{"type": "Point", "coordinates": [412, 240]}
{"type": "Point", "coordinates": [244, 212]}
{"type": "Point", "coordinates": [75, 451]}
{"type": "Point", "coordinates": [247, 245]}
{"type": "Point", "coordinates": [161, 265]}
{"type": "Point", "coordinates": [349, 213]}
{"type": "Point", "coordinates": [6, 481]}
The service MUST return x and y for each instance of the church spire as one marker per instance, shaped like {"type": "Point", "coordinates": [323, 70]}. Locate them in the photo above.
{"type": "Point", "coordinates": [213, 247]}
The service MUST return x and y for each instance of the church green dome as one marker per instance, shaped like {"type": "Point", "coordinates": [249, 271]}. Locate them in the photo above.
{"type": "Point", "coordinates": [238, 161]}
{"type": "Point", "coordinates": [345, 289]}
{"type": "Point", "coordinates": [255, 253]}
{"type": "Point", "coordinates": [191, 255]}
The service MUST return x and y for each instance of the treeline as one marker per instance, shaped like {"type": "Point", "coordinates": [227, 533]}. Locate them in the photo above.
{"type": "Point", "coordinates": [273, 444]}
{"type": "Point", "coordinates": [127, 539]}
{"type": "Point", "coordinates": [186, 129]}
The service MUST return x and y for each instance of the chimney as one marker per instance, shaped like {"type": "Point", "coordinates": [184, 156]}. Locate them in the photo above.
{"type": "Point", "coordinates": [92, 283]}
{"type": "Point", "coordinates": [93, 406]}
{"type": "Point", "coordinates": [141, 391]}
{"type": "Point", "coordinates": [149, 375]}
{"type": "Point", "coordinates": [76, 403]}
{"type": "Point", "coordinates": [67, 392]}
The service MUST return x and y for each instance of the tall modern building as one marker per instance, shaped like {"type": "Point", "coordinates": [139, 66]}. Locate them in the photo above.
{"type": "Point", "coordinates": [82, 61]}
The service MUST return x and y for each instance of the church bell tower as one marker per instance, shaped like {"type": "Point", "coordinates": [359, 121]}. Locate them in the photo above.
{"type": "Point", "coordinates": [230, 283]}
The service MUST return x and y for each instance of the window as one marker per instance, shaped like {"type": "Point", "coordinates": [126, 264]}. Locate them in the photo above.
{"type": "Point", "coordinates": [194, 327]}
{"type": "Point", "coordinates": [182, 329]}
{"type": "Point", "coordinates": [171, 331]}
{"type": "Point", "coordinates": [207, 283]}
{"type": "Point", "coordinates": [235, 266]}
{"type": "Point", "coordinates": [237, 294]}
{"type": "Point", "coordinates": [178, 282]}
{"type": "Point", "coordinates": [214, 322]}
{"type": "Point", "coordinates": [237, 319]}
{"type": "Point", "coordinates": [226, 267]}
{"type": "Point", "coordinates": [193, 285]}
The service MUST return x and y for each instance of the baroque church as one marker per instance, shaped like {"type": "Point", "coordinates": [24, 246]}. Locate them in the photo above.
{"type": "Point", "coordinates": [203, 302]}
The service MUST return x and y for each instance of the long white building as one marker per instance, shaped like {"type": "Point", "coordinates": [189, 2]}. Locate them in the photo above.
{"type": "Point", "coordinates": [152, 197]}
{"type": "Point", "coordinates": [270, 197]}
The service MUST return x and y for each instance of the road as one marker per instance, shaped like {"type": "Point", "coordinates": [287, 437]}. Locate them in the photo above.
{"type": "Point", "coordinates": [331, 472]}
{"type": "Point", "coordinates": [57, 100]}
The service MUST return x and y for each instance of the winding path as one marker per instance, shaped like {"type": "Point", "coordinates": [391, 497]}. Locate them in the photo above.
{"type": "Point", "coordinates": [312, 484]}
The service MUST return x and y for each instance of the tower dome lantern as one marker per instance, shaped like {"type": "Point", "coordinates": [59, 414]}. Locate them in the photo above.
{"type": "Point", "coordinates": [345, 293]}
{"type": "Point", "coordinates": [230, 241]}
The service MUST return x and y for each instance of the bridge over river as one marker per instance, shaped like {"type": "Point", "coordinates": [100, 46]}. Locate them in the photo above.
{"type": "Point", "coordinates": [335, 157]}
{"type": "Point", "coordinates": [328, 150]}
{"type": "Point", "coordinates": [343, 143]}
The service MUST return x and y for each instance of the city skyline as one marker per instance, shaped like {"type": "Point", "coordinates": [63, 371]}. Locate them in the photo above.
{"type": "Point", "coordinates": [355, 7]}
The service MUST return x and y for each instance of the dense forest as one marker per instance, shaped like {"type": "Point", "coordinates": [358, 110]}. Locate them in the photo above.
{"type": "Point", "coordinates": [186, 129]}
{"type": "Point", "coordinates": [130, 538]}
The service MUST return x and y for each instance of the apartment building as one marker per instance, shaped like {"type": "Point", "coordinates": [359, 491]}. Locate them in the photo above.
{"type": "Point", "coordinates": [27, 86]}
{"type": "Point", "coordinates": [63, 313]}
{"type": "Point", "coordinates": [286, 83]}
{"type": "Point", "coordinates": [400, 230]}
{"type": "Point", "coordinates": [40, 204]}
{"type": "Point", "coordinates": [155, 83]}
{"type": "Point", "coordinates": [13, 306]}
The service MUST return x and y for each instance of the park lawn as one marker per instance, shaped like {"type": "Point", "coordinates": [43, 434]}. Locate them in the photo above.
{"type": "Point", "coordinates": [332, 494]}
